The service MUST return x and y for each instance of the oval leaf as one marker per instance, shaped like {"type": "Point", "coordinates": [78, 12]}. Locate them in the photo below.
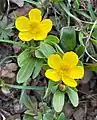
{"type": "Point", "coordinates": [26, 71]}
{"type": "Point", "coordinates": [46, 49]}
{"type": "Point", "coordinates": [48, 116]}
{"type": "Point", "coordinates": [28, 117]}
{"type": "Point", "coordinates": [38, 66]}
{"type": "Point", "coordinates": [68, 39]}
{"type": "Point", "coordinates": [94, 34]}
{"type": "Point", "coordinates": [58, 101]}
{"type": "Point", "coordinates": [62, 116]}
{"type": "Point", "coordinates": [22, 58]}
{"type": "Point", "coordinates": [80, 50]}
{"type": "Point", "coordinates": [73, 96]}
{"type": "Point", "coordinates": [39, 54]}
{"type": "Point", "coordinates": [27, 101]}
{"type": "Point", "coordinates": [51, 39]}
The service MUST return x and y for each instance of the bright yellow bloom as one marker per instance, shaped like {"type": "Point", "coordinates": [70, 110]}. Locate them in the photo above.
{"type": "Point", "coordinates": [33, 28]}
{"type": "Point", "coordinates": [64, 68]}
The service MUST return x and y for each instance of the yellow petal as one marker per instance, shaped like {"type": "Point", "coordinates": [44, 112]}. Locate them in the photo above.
{"type": "Point", "coordinates": [25, 36]}
{"type": "Point", "coordinates": [55, 61]}
{"type": "Point", "coordinates": [69, 81]}
{"type": "Point", "coordinates": [40, 35]}
{"type": "Point", "coordinates": [77, 72]}
{"type": "Point", "coordinates": [22, 23]}
{"type": "Point", "coordinates": [46, 25]}
{"type": "Point", "coordinates": [70, 58]}
{"type": "Point", "coordinates": [35, 14]}
{"type": "Point", "coordinates": [52, 74]}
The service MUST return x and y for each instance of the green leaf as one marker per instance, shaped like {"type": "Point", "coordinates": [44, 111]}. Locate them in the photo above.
{"type": "Point", "coordinates": [51, 39]}
{"type": "Point", "coordinates": [46, 49]}
{"type": "Point", "coordinates": [3, 23]}
{"type": "Point", "coordinates": [57, 0]}
{"type": "Point", "coordinates": [26, 71]}
{"type": "Point", "coordinates": [5, 32]}
{"type": "Point", "coordinates": [58, 101]}
{"type": "Point", "coordinates": [58, 49]}
{"type": "Point", "coordinates": [39, 54]}
{"type": "Point", "coordinates": [29, 112]}
{"type": "Point", "coordinates": [94, 34]}
{"type": "Point", "coordinates": [51, 84]}
{"type": "Point", "coordinates": [91, 11]}
{"type": "Point", "coordinates": [68, 39]}
{"type": "Point", "coordinates": [27, 101]}
{"type": "Point", "coordinates": [54, 88]}
{"type": "Point", "coordinates": [24, 57]}
{"type": "Point", "coordinates": [39, 117]}
{"type": "Point", "coordinates": [80, 50]}
{"type": "Point", "coordinates": [62, 116]}
{"type": "Point", "coordinates": [75, 89]}
{"type": "Point", "coordinates": [48, 116]}
{"type": "Point", "coordinates": [77, 4]}
{"type": "Point", "coordinates": [45, 67]}
{"type": "Point", "coordinates": [83, 13]}
{"type": "Point", "coordinates": [73, 96]}
{"type": "Point", "coordinates": [81, 36]}
{"type": "Point", "coordinates": [94, 41]}
{"type": "Point", "coordinates": [38, 66]}
{"type": "Point", "coordinates": [27, 117]}
{"type": "Point", "coordinates": [91, 67]}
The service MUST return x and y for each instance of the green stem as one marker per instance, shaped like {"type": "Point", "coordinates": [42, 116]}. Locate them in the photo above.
{"type": "Point", "coordinates": [26, 87]}
{"type": "Point", "coordinates": [14, 42]}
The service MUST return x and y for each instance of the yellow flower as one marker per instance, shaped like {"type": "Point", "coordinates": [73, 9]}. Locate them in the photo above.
{"type": "Point", "coordinates": [64, 68]}
{"type": "Point", "coordinates": [33, 28]}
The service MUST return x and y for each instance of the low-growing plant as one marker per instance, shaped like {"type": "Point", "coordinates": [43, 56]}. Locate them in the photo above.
{"type": "Point", "coordinates": [61, 58]}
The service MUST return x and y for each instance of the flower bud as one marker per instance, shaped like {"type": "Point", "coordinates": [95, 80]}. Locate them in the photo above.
{"type": "Point", "coordinates": [62, 87]}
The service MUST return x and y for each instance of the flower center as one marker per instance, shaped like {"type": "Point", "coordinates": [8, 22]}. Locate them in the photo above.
{"type": "Point", "coordinates": [34, 27]}
{"type": "Point", "coordinates": [63, 70]}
